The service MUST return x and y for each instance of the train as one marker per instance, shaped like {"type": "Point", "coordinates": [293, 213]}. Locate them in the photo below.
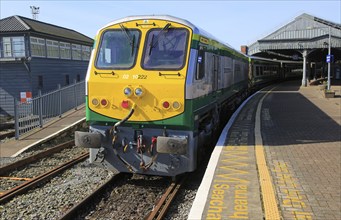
{"type": "Point", "coordinates": [157, 90]}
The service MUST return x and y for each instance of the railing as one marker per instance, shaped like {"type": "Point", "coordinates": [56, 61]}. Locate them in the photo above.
{"type": "Point", "coordinates": [36, 112]}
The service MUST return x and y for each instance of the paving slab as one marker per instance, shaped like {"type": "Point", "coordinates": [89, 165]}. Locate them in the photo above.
{"type": "Point", "coordinates": [12, 147]}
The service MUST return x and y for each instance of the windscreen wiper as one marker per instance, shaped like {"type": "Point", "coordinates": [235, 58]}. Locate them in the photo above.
{"type": "Point", "coordinates": [153, 43]}
{"type": "Point", "coordinates": [131, 40]}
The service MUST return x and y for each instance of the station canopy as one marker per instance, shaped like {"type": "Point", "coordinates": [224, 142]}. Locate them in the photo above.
{"type": "Point", "coordinates": [305, 33]}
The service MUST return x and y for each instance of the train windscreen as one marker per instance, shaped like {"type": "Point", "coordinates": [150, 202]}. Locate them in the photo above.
{"type": "Point", "coordinates": [165, 49]}
{"type": "Point", "coordinates": [118, 49]}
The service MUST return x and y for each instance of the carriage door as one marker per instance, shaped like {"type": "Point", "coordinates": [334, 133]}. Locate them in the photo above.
{"type": "Point", "coordinates": [216, 71]}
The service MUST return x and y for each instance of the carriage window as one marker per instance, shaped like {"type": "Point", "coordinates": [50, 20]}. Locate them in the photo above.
{"type": "Point", "coordinates": [257, 71]}
{"type": "Point", "coordinates": [165, 49]}
{"type": "Point", "coordinates": [200, 65]}
{"type": "Point", "coordinates": [118, 49]}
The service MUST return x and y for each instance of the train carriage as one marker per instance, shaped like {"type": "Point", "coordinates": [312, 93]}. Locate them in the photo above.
{"type": "Point", "coordinates": [264, 71]}
{"type": "Point", "coordinates": [157, 88]}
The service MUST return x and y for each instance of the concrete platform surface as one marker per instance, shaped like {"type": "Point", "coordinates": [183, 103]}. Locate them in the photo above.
{"type": "Point", "coordinates": [280, 158]}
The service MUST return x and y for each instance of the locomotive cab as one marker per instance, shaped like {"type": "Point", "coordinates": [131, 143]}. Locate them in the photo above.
{"type": "Point", "coordinates": [135, 98]}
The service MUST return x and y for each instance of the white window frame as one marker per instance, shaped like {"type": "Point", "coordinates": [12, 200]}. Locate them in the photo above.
{"type": "Point", "coordinates": [39, 42]}
{"type": "Point", "coordinates": [86, 51]}
{"type": "Point", "coordinates": [64, 48]}
{"type": "Point", "coordinates": [10, 46]}
{"type": "Point", "coordinates": [7, 46]}
{"type": "Point", "coordinates": [76, 52]}
{"type": "Point", "coordinates": [21, 46]}
{"type": "Point", "coordinates": [52, 47]}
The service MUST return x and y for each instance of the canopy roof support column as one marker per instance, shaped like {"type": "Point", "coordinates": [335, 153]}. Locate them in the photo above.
{"type": "Point", "coordinates": [304, 78]}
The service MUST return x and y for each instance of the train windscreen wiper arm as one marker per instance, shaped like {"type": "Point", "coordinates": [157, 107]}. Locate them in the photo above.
{"type": "Point", "coordinates": [153, 43]}
{"type": "Point", "coordinates": [131, 41]}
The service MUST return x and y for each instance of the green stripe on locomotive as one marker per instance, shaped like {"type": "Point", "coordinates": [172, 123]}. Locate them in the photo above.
{"type": "Point", "coordinates": [217, 48]}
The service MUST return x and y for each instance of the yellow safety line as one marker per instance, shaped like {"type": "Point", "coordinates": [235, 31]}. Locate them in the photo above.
{"type": "Point", "coordinates": [269, 199]}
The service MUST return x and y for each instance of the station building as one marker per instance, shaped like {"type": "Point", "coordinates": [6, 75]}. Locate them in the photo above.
{"type": "Point", "coordinates": [304, 43]}
{"type": "Point", "coordinates": [38, 56]}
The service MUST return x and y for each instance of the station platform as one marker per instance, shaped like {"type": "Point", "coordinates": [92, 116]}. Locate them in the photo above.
{"type": "Point", "coordinates": [279, 157]}
{"type": "Point", "coordinates": [12, 147]}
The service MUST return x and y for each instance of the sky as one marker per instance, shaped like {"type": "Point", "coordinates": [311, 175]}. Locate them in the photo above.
{"type": "Point", "coordinates": [233, 22]}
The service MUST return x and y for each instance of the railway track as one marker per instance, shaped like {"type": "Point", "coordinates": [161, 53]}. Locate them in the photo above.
{"type": "Point", "coordinates": [86, 202]}
{"type": "Point", "coordinates": [7, 134]}
{"type": "Point", "coordinates": [22, 188]}
{"type": "Point", "coordinates": [6, 130]}
{"type": "Point", "coordinates": [164, 203]}
{"type": "Point", "coordinates": [18, 164]}
{"type": "Point", "coordinates": [139, 193]}
{"type": "Point", "coordinates": [158, 211]}
{"type": "Point", "coordinates": [10, 198]}
{"type": "Point", "coordinates": [30, 171]}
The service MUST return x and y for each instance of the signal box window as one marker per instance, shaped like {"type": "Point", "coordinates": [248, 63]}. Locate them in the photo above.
{"type": "Point", "coordinates": [65, 50]}
{"type": "Point", "coordinates": [85, 52]}
{"type": "Point", "coordinates": [76, 52]}
{"type": "Point", "coordinates": [13, 46]}
{"type": "Point", "coordinates": [52, 49]}
{"type": "Point", "coordinates": [118, 49]}
{"type": "Point", "coordinates": [165, 49]}
{"type": "Point", "coordinates": [38, 47]}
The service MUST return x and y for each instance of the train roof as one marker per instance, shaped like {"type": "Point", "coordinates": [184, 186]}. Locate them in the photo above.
{"type": "Point", "coordinates": [196, 30]}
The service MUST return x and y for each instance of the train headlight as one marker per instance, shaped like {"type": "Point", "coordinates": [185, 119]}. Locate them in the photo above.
{"type": "Point", "coordinates": [176, 105]}
{"type": "Point", "coordinates": [95, 102]}
{"type": "Point", "coordinates": [127, 91]}
{"type": "Point", "coordinates": [139, 92]}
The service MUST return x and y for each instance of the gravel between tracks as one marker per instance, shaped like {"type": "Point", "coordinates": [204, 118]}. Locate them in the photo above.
{"type": "Point", "coordinates": [131, 198]}
{"type": "Point", "coordinates": [41, 166]}
{"type": "Point", "coordinates": [54, 198]}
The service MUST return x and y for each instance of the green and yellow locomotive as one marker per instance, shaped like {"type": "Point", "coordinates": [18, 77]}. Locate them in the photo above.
{"type": "Point", "coordinates": [156, 90]}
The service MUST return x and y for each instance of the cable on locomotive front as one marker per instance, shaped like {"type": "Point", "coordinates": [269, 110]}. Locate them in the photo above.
{"type": "Point", "coordinates": [113, 130]}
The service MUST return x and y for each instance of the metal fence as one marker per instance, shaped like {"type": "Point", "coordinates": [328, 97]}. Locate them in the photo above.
{"type": "Point", "coordinates": [41, 109]}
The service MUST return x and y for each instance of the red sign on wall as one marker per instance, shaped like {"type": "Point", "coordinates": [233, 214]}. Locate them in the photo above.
{"type": "Point", "coordinates": [25, 97]}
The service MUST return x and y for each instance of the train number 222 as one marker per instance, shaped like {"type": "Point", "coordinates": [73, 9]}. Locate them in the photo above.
{"type": "Point", "coordinates": [126, 76]}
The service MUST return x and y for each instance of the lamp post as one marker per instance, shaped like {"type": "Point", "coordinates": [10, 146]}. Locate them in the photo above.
{"type": "Point", "coordinates": [329, 53]}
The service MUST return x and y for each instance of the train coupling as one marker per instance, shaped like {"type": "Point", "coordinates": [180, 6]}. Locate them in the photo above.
{"type": "Point", "coordinates": [172, 145]}
{"type": "Point", "coordinates": [87, 139]}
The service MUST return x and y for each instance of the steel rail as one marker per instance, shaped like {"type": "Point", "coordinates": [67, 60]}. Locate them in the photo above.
{"type": "Point", "coordinates": [43, 177]}
{"type": "Point", "coordinates": [7, 134]}
{"type": "Point", "coordinates": [13, 166]}
{"type": "Point", "coordinates": [6, 126]}
{"type": "Point", "coordinates": [163, 204]}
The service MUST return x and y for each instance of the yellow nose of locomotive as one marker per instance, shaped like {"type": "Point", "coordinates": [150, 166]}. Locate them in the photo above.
{"type": "Point", "coordinates": [142, 63]}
